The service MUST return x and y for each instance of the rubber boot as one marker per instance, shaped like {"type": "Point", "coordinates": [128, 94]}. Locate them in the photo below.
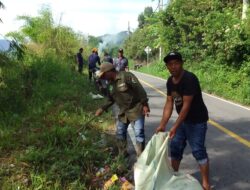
{"type": "Point", "coordinates": [140, 146]}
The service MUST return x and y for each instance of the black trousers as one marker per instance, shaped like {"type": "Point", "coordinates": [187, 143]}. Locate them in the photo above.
{"type": "Point", "coordinates": [80, 67]}
{"type": "Point", "coordinates": [90, 74]}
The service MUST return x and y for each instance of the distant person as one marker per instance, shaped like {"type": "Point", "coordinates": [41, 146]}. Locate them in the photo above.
{"type": "Point", "coordinates": [104, 83]}
{"type": "Point", "coordinates": [92, 61]}
{"type": "Point", "coordinates": [183, 90]}
{"type": "Point", "coordinates": [107, 58]}
{"type": "Point", "coordinates": [121, 63]}
{"type": "Point", "coordinates": [79, 60]}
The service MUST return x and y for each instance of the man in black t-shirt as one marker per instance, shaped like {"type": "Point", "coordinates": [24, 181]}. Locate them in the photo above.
{"type": "Point", "coordinates": [183, 90]}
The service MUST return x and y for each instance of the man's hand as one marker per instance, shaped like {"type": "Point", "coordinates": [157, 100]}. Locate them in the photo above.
{"type": "Point", "coordinates": [99, 112]}
{"type": "Point", "coordinates": [172, 132]}
{"type": "Point", "coordinates": [160, 129]}
{"type": "Point", "coordinates": [146, 110]}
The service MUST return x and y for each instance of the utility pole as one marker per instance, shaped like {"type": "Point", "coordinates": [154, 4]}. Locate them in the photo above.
{"type": "Point", "coordinates": [160, 5]}
{"type": "Point", "coordinates": [147, 50]}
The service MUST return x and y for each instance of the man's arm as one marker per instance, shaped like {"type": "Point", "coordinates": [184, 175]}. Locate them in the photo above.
{"type": "Point", "coordinates": [98, 60]}
{"type": "Point", "coordinates": [167, 112]}
{"type": "Point", "coordinates": [105, 107]}
{"type": "Point", "coordinates": [187, 100]}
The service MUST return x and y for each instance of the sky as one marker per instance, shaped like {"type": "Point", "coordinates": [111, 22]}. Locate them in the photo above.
{"type": "Point", "coordinates": [91, 17]}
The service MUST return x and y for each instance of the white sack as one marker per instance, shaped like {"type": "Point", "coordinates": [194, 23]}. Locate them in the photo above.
{"type": "Point", "coordinates": [153, 170]}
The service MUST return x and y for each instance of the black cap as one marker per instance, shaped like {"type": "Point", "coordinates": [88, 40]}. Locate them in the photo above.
{"type": "Point", "coordinates": [120, 50]}
{"type": "Point", "coordinates": [172, 56]}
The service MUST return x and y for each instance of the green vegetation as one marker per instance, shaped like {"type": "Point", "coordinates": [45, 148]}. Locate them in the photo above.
{"type": "Point", "coordinates": [43, 104]}
{"type": "Point", "coordinates": [219, 80]}
{"type": "Point", "coordinates": [40, 147]}
{"type": "Point", "coordinates": [44, 101]}
{"type": "Point", "coordinates": [212, 37]}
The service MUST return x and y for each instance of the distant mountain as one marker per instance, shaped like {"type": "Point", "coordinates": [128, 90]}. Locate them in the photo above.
{"type": "Point", "coordinates": [113, 40]}
{"type": "Point", "coordinates": [4, 45]}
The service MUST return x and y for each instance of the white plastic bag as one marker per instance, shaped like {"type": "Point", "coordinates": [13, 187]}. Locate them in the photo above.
{"type": "Point", "coordinates": [154, 172]}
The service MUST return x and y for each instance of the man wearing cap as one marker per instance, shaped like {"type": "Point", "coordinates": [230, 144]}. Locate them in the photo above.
{"type": "Point", "coordinates": [121, 63]}
{"type": "Point", "coordinates": [131, 98]}
{"type": "Point", "coordinates": [183, 90]}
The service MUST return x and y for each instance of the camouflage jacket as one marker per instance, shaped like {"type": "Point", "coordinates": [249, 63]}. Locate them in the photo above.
{"type": "Point", "coordinates": [127, 92]}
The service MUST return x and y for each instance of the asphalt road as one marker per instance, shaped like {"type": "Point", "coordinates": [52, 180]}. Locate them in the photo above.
{"type": "Point", "coordinates": [227, 142]}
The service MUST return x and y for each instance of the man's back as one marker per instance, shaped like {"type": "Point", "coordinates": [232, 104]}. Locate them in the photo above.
{"type": "Point", "coordinates": [93, 59]}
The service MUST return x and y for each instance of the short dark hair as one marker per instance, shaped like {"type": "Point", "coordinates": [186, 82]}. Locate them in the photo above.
{"type": "Point", "coordinates": [172, 56]}
{"type": "Point", "coordinates": [81, 49]}
{"type": "Point", "coordinates": [120, 50]}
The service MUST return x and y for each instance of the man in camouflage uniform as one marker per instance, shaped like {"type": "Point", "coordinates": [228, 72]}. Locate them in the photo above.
{"type": "Point", "coordinates": [131, 98]}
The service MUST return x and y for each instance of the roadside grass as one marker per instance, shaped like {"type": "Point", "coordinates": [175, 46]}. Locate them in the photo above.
{"type": "Point", "coordinates": [223, 81]}
{"type": "Point", "coordinates": [220, 80]}
{"type": "Point", "coordinates": [40, 147]}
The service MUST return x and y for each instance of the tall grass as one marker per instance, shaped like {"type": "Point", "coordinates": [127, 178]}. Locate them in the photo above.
{"type": "Point", "coordinates": [224, 81]}
{"type": "Point", "coordinates": [39, 144]}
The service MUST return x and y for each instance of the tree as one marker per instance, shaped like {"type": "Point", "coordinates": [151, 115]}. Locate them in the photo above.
{"type": "Point", "coordinates": [138, 41]}
{"type": "Point", "coordinates": [94, 41]}
{"type": "Point", "coordinates": [198, 29]}
{"type": "Point", "coordinates": [142, 18]}
{"type": "Point", "coordinates": [44, 35]}
{"type": "Point", "coordinates": [148, 11]}
{"type": "Point", "coordinates": [39, 29]}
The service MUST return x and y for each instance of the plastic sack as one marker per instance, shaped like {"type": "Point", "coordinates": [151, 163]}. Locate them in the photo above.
{"type": "Point", "coordinates": [153, 170]}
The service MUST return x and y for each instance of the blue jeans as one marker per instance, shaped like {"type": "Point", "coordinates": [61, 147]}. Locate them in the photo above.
{"type": "Point", "coordinates": [195, 135]}
{"type": "Point", "coordinates": [121, 130]}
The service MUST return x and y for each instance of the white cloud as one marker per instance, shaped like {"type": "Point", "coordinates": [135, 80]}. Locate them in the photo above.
{"type": "Point", "coordinates": [87, 16]}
